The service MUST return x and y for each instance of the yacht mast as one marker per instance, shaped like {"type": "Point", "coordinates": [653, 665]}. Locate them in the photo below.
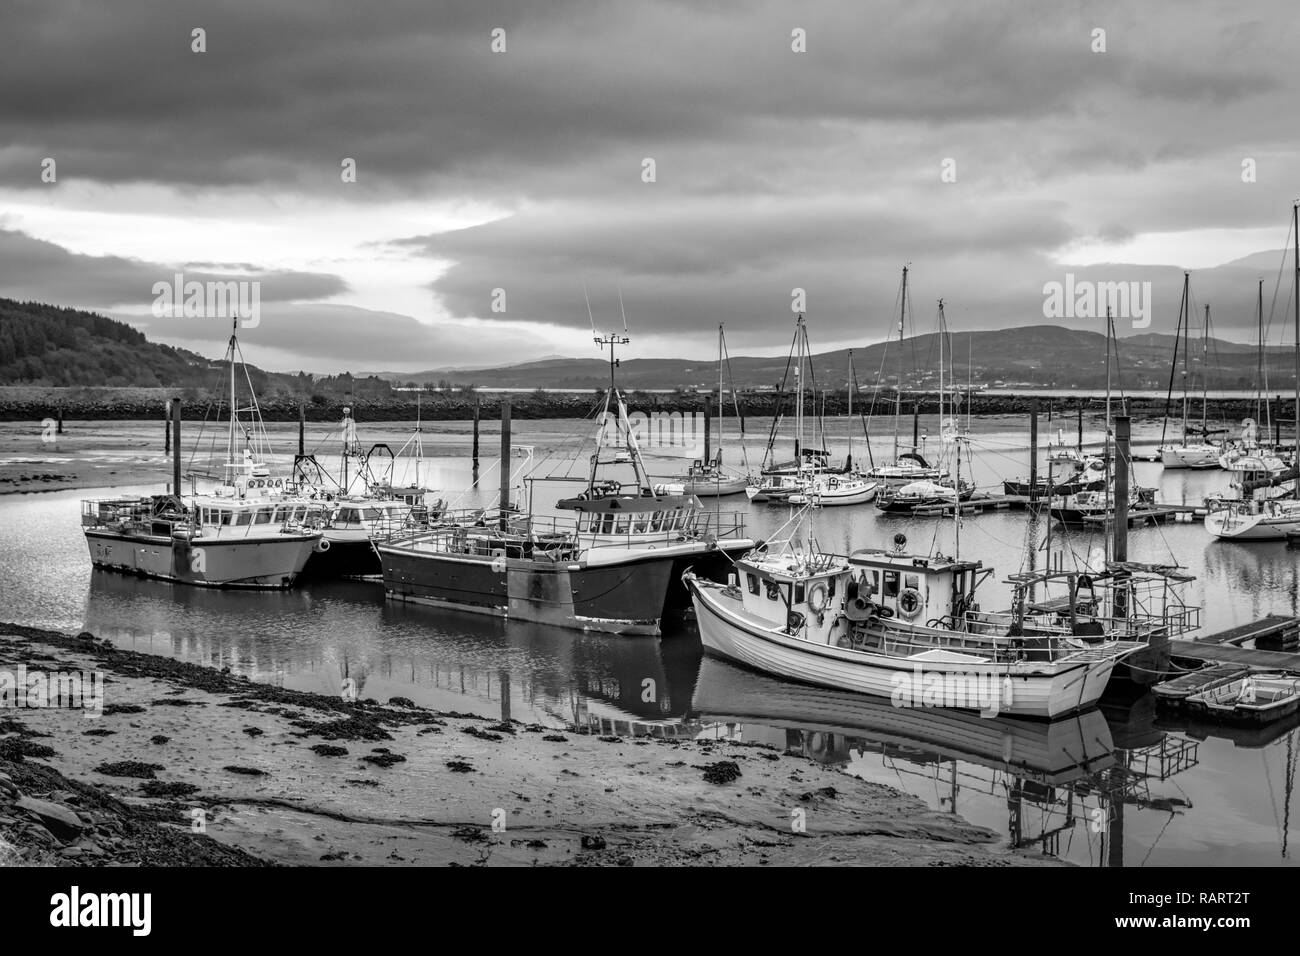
{"type": "Point", "coordinates": [898, 391]}
{"type": "Point", "coordinates": [1295, 298]}
{"type": "Point", "coordinates": [230, 454]}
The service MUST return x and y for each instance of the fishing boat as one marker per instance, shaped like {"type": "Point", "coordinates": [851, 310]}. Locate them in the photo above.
{"type": "Point", "coordinates": [908, 627]}
{"type": "Point", "coordinates": [1194, 451]}
{"type": "Point", "coordinates": [362, 502]}
{"type": "Point", "coordinates": [243, 534]}
{"type": "Point", "coordinates": [1251, 699]}
{"type": "Point", "coordinates": [1081, 473]}
{"type": "Point", "coordinates": [611, 559]}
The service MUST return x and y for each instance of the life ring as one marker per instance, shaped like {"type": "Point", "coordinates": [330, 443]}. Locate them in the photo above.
{"type": "Point", "coordinates": [279, 484]}
{"type": "Point", "coordinates": [909, 603]}
{"type": "Point", "coordinates": [817, 597]}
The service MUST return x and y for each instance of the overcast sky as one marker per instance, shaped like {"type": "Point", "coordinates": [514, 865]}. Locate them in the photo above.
{"type": "Point", "coordinates": [524, 170]}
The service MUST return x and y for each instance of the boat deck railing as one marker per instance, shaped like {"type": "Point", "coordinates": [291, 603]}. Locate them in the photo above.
{"type": "Point", "coordinates": [994, 648]}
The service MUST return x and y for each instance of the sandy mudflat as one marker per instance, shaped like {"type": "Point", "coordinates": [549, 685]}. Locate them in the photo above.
{"type": "Point", "coordinates": [412, 786]}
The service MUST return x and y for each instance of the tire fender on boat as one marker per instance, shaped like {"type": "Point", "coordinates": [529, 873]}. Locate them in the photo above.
{"type": "Point", "coordinates": [323, 545]}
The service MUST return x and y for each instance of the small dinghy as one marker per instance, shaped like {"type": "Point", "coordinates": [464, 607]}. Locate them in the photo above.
{"type": "Point", "coordinates": [1252, 699]}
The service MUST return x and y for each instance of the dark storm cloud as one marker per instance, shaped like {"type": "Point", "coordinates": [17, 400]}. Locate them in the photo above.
{"type": "Point", "coordinates": [775, 170]}
{"type": "Point", "coordinates": [37, 270]}
{"type": "Point", "coordinates": [412, 90]}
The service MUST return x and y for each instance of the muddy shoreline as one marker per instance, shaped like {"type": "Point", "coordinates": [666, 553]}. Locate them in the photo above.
{"type": "Point", "coordinates": [190, 765]}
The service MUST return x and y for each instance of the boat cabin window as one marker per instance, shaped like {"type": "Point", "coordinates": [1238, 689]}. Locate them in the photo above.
{"type": "Point", "coordinates": [641, 523]}
{"type": "Point", "coordinates": [891, 584]}
{"type": "Point", "coordinates": [799, 593]}
{"type": "Point", "coordinates": [347, 516]}
{"type": "Point", "coordinates": [622, 525]}
{"type": "Point", "coordinates": [263, 516]}
{"type": "Point", "coordinates": [753, 583]}
{"type": "Point", "coordinates": [243, 518]}
{"type": "Point", "coordinates": [607, 525]}
{"type": "Point", "coordinates": [912, 581]}
{"type": "Point", "coordinates": [657, 522]}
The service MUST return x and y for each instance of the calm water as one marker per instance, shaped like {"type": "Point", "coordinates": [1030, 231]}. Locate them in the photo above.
{"type": "Point", "coordinates": [1111, 786]}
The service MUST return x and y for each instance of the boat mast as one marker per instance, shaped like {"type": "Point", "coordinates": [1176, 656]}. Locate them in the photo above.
{"type": "Point", "coordinates": [1295, 297]}
{"type": "Point", "coordinates": [234, 412]}
{"type": "Point", "coordinates": [1205, 376]}
{"type": "Point", "coordinates": [848, 463]}
{"type": "Point", "coordinates": [898, 390]}
{"type": "Point", "coordinates": [720, 402]}
{"type": "Point", "coordinates": [1106, 458]}
{"type": "Point", "coordinates": [798, 401]}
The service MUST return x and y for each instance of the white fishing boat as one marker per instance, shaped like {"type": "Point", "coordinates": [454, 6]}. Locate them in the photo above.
{"type": "Point", "coordinates": [245, 533]}
{"type": "Point", "coordinates": [907, 627]}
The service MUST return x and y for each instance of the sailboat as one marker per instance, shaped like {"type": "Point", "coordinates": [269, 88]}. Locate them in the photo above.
{"type": "Point", "coordinates": [243, 534]}
{"type": "Point", "coordinates": [1256, 516]}
{"type": "Point", "coordinates": [908, 466]}
{"type": "Point", "coordinates": [1194, 451]}
{"type": "Point", "coordinates": [1083, 506]}
{"type": "Point", "coordinates": [779, 481]}
{"type": "Point", "coordinates": [706, 476]}
{"type": "Point", "coordinates": [839, 489]}
{"type": "Point", "coordinates": [906, 498]}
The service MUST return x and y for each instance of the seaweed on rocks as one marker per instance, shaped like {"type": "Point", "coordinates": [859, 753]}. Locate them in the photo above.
{"type": "Point", "coordinates": [129, 768]}
{"type": "Point", "coordinates": [724, 771]}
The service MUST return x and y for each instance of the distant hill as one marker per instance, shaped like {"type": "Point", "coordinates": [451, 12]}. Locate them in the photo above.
{"type": "Point", "coordinates": [45, 345]}
{"type": "Point", "coordinates": [1041, 355]}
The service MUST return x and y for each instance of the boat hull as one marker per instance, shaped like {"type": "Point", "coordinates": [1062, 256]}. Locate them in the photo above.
{"type": "Point", "coordinates": [1032, 693]}
{"type": "Point", "coordinates": [1229, 525]}
{"type": "Point", "coordinates": [1190, 457]}
{"type": "Point", "coordinates": [345, 557]}
{"type": "Point", "coordinates": [619, 597]}
{"type": "Point", "coordinates": [703, 488]}
{"type": "Point", "coordinates": [266, 563]}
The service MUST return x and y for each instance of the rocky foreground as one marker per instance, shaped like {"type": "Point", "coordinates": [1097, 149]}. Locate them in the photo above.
{"type": "Point", "coordinates": [191, 765]}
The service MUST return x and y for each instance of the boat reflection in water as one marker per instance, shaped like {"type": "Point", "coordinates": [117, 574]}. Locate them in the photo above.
{"type": "Point", "coordinates": [1041, 784]}
{"type": "Point", "coordinates": [1051, 751]}
{"type": "Point", "coordinates": [341, 635]}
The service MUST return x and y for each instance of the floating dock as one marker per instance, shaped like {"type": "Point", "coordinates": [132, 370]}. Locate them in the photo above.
{"type": "Point", "coordinates": [1156, 514]}
{"type": "Point", "coordinates": [1276, 633]}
